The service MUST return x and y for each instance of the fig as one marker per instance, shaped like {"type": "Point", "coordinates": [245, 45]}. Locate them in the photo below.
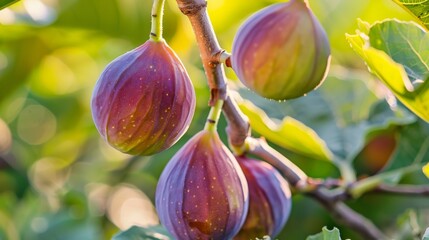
{"type": "Point", "coordinates": [144, 100]}
{"type": "Point", "coordinates": [269, 200]}
{"type": "Point", "coordinates": [202, 192]}
{"type": "Point", "coordinates": [281, 52]}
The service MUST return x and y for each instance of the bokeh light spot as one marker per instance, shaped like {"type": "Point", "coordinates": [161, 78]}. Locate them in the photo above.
{"type": "Point", "coordinates": [129, 206]}
{"type": "Point", "coordinates": [36, 124]}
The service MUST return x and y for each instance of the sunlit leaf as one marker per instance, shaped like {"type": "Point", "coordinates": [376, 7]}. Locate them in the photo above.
{"type": "Point", "coordinates": [139, 233]}
{"type": "Point", "coordinates": [5, 3]}
{"type": "Point", "coordinates": [398, 53]}
{"type": "Point", "coordinates": [417, 8]}
{"type": "Point", "coordinates": [326, 234]}
{"type": "Point", "coordinates": [290, 133]}
{"type": "Point", "coordinates": [406, 43]}
{"type": "Point", "coordinates": [426, 170]}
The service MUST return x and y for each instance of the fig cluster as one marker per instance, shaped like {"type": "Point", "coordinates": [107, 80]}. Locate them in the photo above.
{"type": "Point", "coordinates": [281, 52]}
{"type": "Point", "coordinates": [144, 100]}
{"type": "Point", "coordinates": [202, 192]}
{"type": "Point", "coordinates": [205, 192]}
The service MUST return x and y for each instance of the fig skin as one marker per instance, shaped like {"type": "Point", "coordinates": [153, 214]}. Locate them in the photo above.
{"type": "Point", "coordinates": [144, 100]}
{"type": "Point", "coordinates": [269, 200]}
{"type": "Point", "coordinates": [202, 192]}
{"type": "Point", "coordinates": [281, 52]}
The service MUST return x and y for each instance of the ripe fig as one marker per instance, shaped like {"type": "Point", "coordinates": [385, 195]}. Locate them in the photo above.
{"type": "Point", "coordinates": [144, 101]}
{"type": "Point", "coordinates": [269, 200]}
{"type": "Point", "coordinates": [202, 192]}
{"type": "Point", "coordinates": [282, 51]}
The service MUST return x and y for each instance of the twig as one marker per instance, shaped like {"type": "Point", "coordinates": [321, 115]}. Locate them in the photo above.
{"type": "Point", "coordinates": [327, 183]}
{"type": "Point", "coordinates": [409, 190]}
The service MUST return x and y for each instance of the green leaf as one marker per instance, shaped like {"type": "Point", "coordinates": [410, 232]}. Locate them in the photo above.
{"type": "Point", "coordinates": [5, 3]}
{"type": "Point", "coordinates": [398, 53]}
{"type": "Point", "coordinates": [357, 112]}
{"type": "Point", "coordinates": [417, 8]}
{"type": "Point", "coordinates": [326, 234]}
{"type": "Point", "coordinates": [140, 233]}
{"type": "Point", "coordinates": [412, 149]}
{"type": "Point", "coordinates": [290, 134]}
{"type": "Point", "coordinates": [406, 44]}
{"type": "Point", "coordinates": [411, 154]}
{"type": "Point", "coordinates": [341, 113]}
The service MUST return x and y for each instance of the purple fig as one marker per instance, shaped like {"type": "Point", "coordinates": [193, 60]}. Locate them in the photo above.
{"type": "Point", "coordinates": [282, 51]}
{"type": "Point", "coordinates": [269, 200]}
{"type": "Point", "coordinates": [202, 193]}
{"type": "Point", "coordinates": [144, 101]}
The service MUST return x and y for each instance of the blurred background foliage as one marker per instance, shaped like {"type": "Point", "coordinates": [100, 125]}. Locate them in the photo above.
{"type": "Point", "coordinates": [59, 180]}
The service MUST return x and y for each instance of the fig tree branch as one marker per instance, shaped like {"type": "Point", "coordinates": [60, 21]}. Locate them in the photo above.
{"type": "Point", "coordinates": [211, 55]}
{"type": "Point", "coordinates": [238, 128]}
{"type": "Point", "coordinates": [347, 216]}
{"type": "Point", "coordinates": [290, 171]}
{"type": "Point", "coordinates": [238, 125]}
{"type": "Point", "coordinates": [196, 11]}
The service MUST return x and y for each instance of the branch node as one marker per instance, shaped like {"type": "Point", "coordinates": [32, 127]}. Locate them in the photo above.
{"type": "Point", "coordinates": [221, 56]}
{"type": "Point", "coordinates": [191, 8]}
{"type": "Point", "coordinates": [228, 62]}
{"type": "Point", "coordinates": [216, 94]}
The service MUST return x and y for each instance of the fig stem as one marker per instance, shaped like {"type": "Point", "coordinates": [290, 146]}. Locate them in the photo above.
{"type": "Point", "coordinates": [213, 118]}
{"type": "Point", "coordinates": [346, 170]}
{"type": "Point", "coordinates": [304, 1]}
{"type": "Point", "coordinates": [157, 15]}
